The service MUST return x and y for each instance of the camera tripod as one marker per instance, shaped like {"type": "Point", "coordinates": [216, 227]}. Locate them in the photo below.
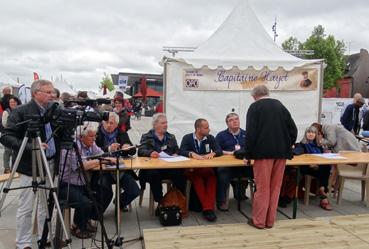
{"type": "Point", "coordinates": [39, 165]}
{"type": "Point", "coordinates": [72, 147]}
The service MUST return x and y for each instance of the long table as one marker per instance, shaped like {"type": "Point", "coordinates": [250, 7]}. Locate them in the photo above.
{"type": "Point", "coordinates": [229, 161]}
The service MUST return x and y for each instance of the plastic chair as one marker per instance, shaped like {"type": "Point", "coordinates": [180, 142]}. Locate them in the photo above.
{"type": "Point", "coordinates": [359, 172]}
{"type": "Point", "coordinates": [308, 179]}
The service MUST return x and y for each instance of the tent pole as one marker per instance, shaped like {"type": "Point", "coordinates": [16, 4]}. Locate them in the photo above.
{"type": "Point", "coordinates": [321, 91]}
{"type": "Point", "coordinates": [165, 85]}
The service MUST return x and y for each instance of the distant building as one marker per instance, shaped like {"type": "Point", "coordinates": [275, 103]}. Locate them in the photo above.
{"type": "Point", "coordinates": [154, 85]}
{"type": "Point", "coordinates": [154, 81]}
{"type": "Point", "coordinates": [356, 78]}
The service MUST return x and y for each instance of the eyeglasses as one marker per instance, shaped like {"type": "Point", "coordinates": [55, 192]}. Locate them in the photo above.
{"type": "Point", "coordinates": [47, 92]}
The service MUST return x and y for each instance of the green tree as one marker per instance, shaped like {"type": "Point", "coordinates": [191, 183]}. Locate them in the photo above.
{"type": "Point", "coordinates": [291, 44]}
{"type": "Point", "coordinates": [325, 47]}
{"type": "Point", "coordinates": [106, 83]}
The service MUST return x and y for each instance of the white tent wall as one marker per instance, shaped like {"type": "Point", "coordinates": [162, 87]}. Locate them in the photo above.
{"type": "Point", "coordinates": [184, 107]}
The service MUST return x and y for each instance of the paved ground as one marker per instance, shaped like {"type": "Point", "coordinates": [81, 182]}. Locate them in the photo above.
{"type": "Point", "coordinates": [138, 219]}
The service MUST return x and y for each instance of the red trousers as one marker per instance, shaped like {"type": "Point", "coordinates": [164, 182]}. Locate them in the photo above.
{"type": "Point", "coordinates": [204, 182]}
{"type": "Point", "coordinates": [268, 175]}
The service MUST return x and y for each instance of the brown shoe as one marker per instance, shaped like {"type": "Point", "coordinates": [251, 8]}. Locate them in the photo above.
{"type": "Point", "coordinates": [76, 232]}
{"type": "Point", "coordinates": [251, 223]}
{"type": "Point", "coordinates": [8, 171]}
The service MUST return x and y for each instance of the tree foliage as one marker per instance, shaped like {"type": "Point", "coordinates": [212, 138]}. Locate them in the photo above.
{"type": "Point", "coordinates": [106, 83]}
{"type": "Point", "coordinates": [325, 47]}
{"type": "Point", "coordinates": [291, 44]}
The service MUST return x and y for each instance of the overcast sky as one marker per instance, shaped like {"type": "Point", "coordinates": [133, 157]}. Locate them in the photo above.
{"type": "Point", "coordinates": [82, 39]}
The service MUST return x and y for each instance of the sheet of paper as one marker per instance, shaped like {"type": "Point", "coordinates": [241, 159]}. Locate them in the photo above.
{"type": "Point", "coordinates": [164, 155]}
{"type": "Point", "coordinates": [121, 166]}
{"type": "Point", "coordinates": [175, 159]}
{"type": "Point", "coordinates": [330, 156]}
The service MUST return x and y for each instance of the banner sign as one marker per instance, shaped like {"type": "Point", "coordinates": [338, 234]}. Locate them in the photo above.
{"type": "Point", "coordinates": [122, 82]}
{"type": "Point", "coordinates": [302, 79]}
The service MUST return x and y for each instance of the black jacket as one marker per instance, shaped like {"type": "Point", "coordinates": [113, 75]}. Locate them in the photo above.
{"type": "Point", "coordinates": [14, 134]}
{"type": "Point", "coordinates": [149, 145]}
{"type": "Point", "coordinates": [122, 138]}
{"type": "Point", "coordinates": [188, 145]}
{"type": "Point", "coordinates": [270, 130]}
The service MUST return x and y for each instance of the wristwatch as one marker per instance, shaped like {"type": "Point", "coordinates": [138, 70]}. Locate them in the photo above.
{"type": "Point", "coordinates": [190, 154]}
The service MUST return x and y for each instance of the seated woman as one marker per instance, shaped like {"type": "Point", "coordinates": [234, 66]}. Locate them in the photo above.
{"type": "Point", "coordinates": [310, 145]}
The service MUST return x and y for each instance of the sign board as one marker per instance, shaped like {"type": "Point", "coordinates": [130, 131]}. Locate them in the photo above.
{"type": "Point", "coordinates": [300, 79]}
{"type": "Point", "coordinates": [122, 82]}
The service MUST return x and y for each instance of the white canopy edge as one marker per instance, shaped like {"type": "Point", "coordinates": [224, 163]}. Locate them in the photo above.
{"type": "Point", "coordinates": [243, 65]}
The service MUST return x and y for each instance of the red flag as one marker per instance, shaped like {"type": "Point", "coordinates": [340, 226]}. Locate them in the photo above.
{"type": "Point", "coordinates": [35, 76]}
{"type": "Point", "coordinates": [143, 88]}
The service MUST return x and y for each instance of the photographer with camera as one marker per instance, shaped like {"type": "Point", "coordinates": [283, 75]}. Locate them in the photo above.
{"type": "Point", "coordinates": [111, 138]}
{"type": "Point", "coordinates": [42, 94]}
{"type": "Point", "coordinates": [73, 185]}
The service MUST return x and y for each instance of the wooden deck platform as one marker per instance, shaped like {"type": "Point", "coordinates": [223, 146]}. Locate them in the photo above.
{"type": "Point", "coordinates": [336, 232]}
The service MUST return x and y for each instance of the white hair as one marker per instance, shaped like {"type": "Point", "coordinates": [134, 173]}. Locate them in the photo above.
{"type": "Point", "coordinates": [37, 84]}
{"type": "Point", "coordinates": [156, 118]}
{"type": "Point", "coordinates": [116, 116]}
{"type": "Point", "coordinates": [87, 126]}
{"type": "Point", "coordinates": [260, 91]}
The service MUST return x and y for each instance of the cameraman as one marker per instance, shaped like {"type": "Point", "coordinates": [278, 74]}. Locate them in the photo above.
{"type": "Point", "coordinates": [42, 94]}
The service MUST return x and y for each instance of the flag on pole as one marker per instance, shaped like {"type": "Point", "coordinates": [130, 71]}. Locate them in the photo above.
{"type": "Point", "coordinates": [35, 76]}
{"type": "Point", "coordinates": [143, 88]}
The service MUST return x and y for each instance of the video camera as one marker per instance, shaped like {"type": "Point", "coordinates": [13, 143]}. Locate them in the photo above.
{"type": "Point", "coordinates": [67, 119]}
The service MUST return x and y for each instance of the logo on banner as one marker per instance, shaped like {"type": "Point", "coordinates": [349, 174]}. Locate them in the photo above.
{"type": "Point", "coordinates": [192, 83]}
{"type": "Point", "coordinates": [122, 82]}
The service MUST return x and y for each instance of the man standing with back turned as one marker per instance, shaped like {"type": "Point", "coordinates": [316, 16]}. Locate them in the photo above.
{"type": "Point", "coordinates": [270, 134]}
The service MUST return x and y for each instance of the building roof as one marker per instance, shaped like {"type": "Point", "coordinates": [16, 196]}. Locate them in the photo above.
{"type": "Point", "coordinates": [352, 64]}
{"type": "Point", "coordinates": [136, 77]}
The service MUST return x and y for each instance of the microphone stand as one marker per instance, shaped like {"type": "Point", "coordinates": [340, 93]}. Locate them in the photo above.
{"type": "Point", "coordinates": [119, 239]}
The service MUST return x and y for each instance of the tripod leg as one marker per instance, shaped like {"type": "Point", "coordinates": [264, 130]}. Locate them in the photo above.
{"type": "Point", "coordinates": [91, 196]}
{"type": "Point", "coordinates": [45, 205]}
{"type": "Point", "coordinates": [15, 167]}
{"type": "Point", "coordinates": [53, 190]}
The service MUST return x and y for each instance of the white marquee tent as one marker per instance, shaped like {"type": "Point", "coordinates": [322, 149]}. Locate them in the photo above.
{"type": "Point", "coordinates": [240, 42]}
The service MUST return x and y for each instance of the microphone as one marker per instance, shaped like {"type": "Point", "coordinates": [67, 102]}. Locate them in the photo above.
{"type": "Point", "coordinates": [130, 150]}
{"type": "Point", "coordinates": [89, 102]}
{"type": "Point", "coordinates": [100, 101]}
{"type": "Point", "coordinates": [97, 156]}
{"type": "Point", "coordinates": [50, 111]}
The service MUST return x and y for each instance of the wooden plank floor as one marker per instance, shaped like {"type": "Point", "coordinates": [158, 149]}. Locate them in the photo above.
{"type": "Point", "coordinates": [357, 225]}
{"type": "Point", "coordinates": [300, 233]}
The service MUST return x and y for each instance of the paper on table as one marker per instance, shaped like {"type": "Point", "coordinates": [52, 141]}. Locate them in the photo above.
{"type": "Point", "coordinates": [164, 155]}
{"type": "Point", "coordinates": [330, 156]}
{"type": "Point", "coordinates": [121, 166]}
{"type": "Point", "coordinates": [172, 159]}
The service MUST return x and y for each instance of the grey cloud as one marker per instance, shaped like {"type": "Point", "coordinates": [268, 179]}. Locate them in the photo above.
{"type": "Point", "coordinates": [83, 39]}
